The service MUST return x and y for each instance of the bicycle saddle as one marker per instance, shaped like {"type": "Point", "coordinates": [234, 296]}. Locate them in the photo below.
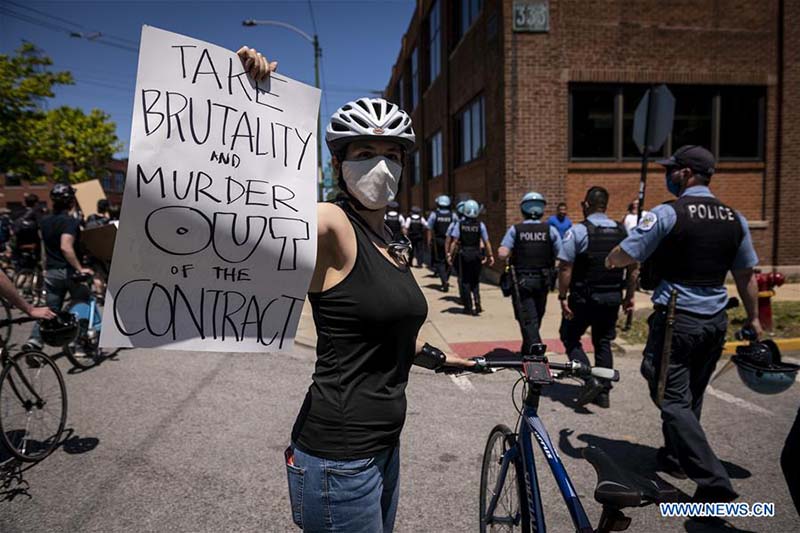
{"type": "Point", "coordinates": [618, 487]}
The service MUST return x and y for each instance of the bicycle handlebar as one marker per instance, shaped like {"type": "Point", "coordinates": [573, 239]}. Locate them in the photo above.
{"type": "Point", "coordinates": [18, 320]}
{"type": "Point", "coordinates": [571, 368]}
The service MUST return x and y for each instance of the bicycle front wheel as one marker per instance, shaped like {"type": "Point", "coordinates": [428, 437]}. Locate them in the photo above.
{"type": "Point", "coordinates": [506, 515]}
{"type": "Point", "coordinates": [33, 406]}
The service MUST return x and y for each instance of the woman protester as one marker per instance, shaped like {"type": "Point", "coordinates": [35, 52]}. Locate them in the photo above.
{"type": "Point", "coordinates": [343, 463]}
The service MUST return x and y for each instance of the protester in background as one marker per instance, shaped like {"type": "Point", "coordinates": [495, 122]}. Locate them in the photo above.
{"type": "Point", "coordinates": [632, 217]}
{"type": "Point", "coordinates": [5, 230]}
{"type": "Point", "coordinates": [468, 235]}
{"type": "Point", "coordinates": [61, 237]}
{"type": "Point", "coordinates": [26, 247]}
{"type": "Point", "coordinates": [414, 229]}
{"type": "Point", "coordinates": [100, 218]}
{"type": "Point", "coordinates": [344, 461]}
{"type": "Point", "coordinates": [531, 247]}
{"type": "Point", "coordinates": [560, 220]}
{"type": "Point", "coordinates": [437, 224]}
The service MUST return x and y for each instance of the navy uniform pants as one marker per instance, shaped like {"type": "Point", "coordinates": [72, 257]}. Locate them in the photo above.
{"type": "Point", "coordinates": [530, 307]}
{"type": "Point", "coordinates": [439, 260]}
{"type": "Point", "coordinates": [601, 315]}
{"type": "Point", "coordinates": [416, 250]}
{"type": "Point", "coordinates": [697, 343]}
{"type": "Point", "coordinates": [469, 276]}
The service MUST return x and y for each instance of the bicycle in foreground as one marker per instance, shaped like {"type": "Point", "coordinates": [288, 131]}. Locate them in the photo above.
{"type": "Point", "coordinates": [33, 402]}
{"type": "Point", "coordinates": [509, 489]}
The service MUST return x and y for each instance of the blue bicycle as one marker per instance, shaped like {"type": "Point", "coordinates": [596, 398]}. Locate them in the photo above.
{"type": "Point", "coordinates": [509, 491]}
{"type": "Point", "coordinates": [85, 351]}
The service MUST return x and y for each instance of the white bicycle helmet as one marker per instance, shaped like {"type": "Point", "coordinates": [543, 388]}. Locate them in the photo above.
{"type": "Point", "coordinates": [369, 118]}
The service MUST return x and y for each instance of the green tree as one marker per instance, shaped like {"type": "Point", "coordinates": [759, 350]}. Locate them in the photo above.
{"type": "Point", "coordinates": [78, 144]}
{"type": "Point", "coordinates": [24, 82]}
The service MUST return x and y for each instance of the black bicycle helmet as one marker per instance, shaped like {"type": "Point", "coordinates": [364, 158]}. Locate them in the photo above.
{"type": "Point", "coordinates": [62, 192]}
{"type": "Point", "coordinates": [59, 331]}
{"type": "Point", "coordinates": [761, 369]}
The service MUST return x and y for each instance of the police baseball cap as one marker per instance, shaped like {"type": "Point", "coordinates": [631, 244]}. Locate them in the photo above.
{"type": "Point", "coordinates": [691, 156]}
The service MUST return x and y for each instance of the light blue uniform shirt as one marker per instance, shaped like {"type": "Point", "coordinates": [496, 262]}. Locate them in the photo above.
{"type": "Point", "coordinates": [576, 239]}
{"type": "Point", "coordinates": [455, 231]}
{"type": "Point", "coordinates": [644, 239]}
{"type": "Point", "coordinates": [511, 236]}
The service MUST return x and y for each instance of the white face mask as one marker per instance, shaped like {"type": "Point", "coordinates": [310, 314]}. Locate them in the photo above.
{"type": "Point", "coordinates": [373, 182]}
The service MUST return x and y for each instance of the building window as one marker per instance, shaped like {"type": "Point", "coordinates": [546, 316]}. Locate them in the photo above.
{"type": "Point", "coordinates": [119, 178]}
{"type": "Point", "coordinates": [470, 132]}
{"type": "Point", "coordinates": [592, 122]}
{"type": "Point", "coordinates": [729, 121]}
{"type": "Point", "coordinates": [741, 127]}
{"type": "Point", "coordinates": [13, 180]}
{"type": "Point", "coordinates": [108, 182]}
{"type": "Point", "coordinates": [401, 85]}
{"type": "Point", "coordinates": [434, 43]}
{"type": "Point", "coordinates": [466, 13]}
{"type": "Point", "coordinates": [413, 168]}
{"type": "Point", "coordinates": [435, 153]}
{"type": "Point", "coordinates": [414, 78]}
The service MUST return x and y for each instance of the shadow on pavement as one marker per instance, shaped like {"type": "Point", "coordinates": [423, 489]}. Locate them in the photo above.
{"type": "Point", "coordinates": [712, 525]}
{"type": "Point", "coordinates": [451, 299]}
{"type": "Point", "coordinates": [455, 310]}
{"type": "Point", "coordinates": [566, 394]}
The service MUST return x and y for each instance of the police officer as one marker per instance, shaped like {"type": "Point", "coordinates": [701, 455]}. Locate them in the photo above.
{"type": "Point", "coordinates": [691, 245]}
{"type": "Point", "coordinates": [394, 220]}
{"type": "Point", "coordinates": [532, 246]}
{"type": "Point", "coordinates": [438, 223]}
{"type": "Point", "coordinates": [595, 293]}
{"type": "Point", "coordinates": [414, 228]}
{"type": "Point", "coordinates": [453, 264]}
{"type": "Point", "coordinates": [468, 235]}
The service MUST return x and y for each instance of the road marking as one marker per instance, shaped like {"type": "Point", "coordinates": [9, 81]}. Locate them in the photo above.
{"type": "Point", "coordinates": [744, 404]}
{"type": "Point", "coordinates": [463, 383]}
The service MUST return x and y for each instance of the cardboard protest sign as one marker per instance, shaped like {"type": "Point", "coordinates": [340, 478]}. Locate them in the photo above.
{"type": "Point", "coordinates": [99, 241]}
{"type": "Point", "coordinates": [217, 240]}
{"type": "Point", "coordinates": [87, 194]}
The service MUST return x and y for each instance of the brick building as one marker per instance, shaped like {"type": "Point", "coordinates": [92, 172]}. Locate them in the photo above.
{"type": "Point", "coordinates": [14, 189]}
{"type": "Point", "coordinates": [546, 102]}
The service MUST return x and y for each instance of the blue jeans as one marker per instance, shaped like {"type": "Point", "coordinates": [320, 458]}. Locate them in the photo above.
{"type": "Point", "coordinates": [354, 496]}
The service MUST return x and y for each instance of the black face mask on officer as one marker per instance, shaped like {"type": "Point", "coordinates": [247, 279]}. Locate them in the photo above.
{"type": "Point", "coordinates": [675, 187]}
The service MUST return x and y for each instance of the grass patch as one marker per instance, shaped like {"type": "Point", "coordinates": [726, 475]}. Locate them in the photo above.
{"type": "Point", "coordinates": [785, 320]}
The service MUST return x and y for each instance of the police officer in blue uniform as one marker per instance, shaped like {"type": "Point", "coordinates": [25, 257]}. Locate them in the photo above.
{"type": "Point", "coordinates": [595, 293]}
{"type": "Point", "coordinates": [438, 223]}
{"type": "Point", "coordinates": [453, 262]}
{"type": "Point", "coordinates": [532, 246]}
{"type": "Point", "coordinates": [394, 220]}
{"type": "Point", "coordinates": [468, 235]}
{"type": "Point", "coordinates": [414, 228]}
{"type": "Point", "coordinates": [690, 245]}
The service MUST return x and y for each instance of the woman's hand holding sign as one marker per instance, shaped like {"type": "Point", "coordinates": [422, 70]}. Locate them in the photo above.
{"type": "Point", "coordinates": [256, 64]}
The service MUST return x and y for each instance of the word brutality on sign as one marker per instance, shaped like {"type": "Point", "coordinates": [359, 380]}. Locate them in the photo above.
{"type": "Point", "coordinates": [217, 239]}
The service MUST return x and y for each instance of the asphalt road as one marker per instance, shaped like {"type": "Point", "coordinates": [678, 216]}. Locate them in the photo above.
{"type": "Point", "coordinates": [192, 442]}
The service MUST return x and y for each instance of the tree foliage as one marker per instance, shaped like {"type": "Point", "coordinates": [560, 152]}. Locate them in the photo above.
{"type": "Point", "coordinates": [76, 143]}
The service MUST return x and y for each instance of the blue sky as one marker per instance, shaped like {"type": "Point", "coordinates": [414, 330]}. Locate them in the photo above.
{"type": "Point", "coordinates": [360, 41]}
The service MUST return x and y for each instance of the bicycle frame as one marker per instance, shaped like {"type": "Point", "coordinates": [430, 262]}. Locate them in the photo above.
{"type": "Point", "coordinates": [521, 453]}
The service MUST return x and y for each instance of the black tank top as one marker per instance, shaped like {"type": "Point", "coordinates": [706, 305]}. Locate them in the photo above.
{"type": "Point", "coordinates": [367, 329]}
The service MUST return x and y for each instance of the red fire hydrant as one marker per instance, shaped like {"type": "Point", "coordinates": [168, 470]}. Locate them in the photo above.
{"type": "Point", "coordinates": [766, 286]}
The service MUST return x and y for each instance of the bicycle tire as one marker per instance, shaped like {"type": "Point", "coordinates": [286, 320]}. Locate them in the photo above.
{"type": "Point", "coordinates": [91, 351]}
{"type": "Point", "coordinates": [38, 431]}
{"type": "Point", "coordinates": [5, 331]}
{"type": "Point", "coordinates": [508, 505]}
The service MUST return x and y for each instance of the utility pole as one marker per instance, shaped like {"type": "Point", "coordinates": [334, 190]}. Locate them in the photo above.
{"type": "Point", "coordinates": [317, 56]}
